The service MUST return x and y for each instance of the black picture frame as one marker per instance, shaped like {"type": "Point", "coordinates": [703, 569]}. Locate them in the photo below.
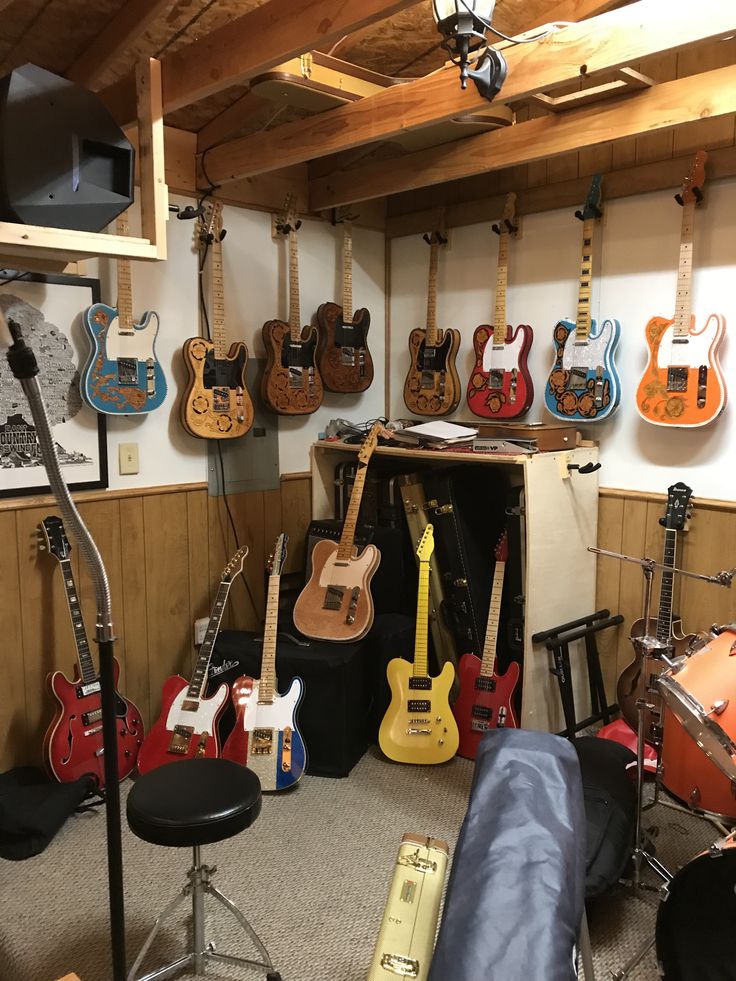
{"type": "Point", "coordinates": [88, 426]}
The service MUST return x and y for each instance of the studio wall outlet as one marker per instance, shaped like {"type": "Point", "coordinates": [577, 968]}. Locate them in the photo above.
{"type": "Point", "coordinates": [128, 458]}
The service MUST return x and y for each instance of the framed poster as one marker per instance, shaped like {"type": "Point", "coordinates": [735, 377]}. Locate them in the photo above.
{"type": "Point", "coordinates": [49, 310]}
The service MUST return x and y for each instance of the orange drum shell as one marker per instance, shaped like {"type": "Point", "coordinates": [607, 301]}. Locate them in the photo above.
{"type": "Point", "coordinates": [690, 775]}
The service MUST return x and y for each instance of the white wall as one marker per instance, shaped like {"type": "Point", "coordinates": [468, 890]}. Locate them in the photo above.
{"type": "Point", "coordinates": [255, 271]}
{"type": "Point", "coordinates": [637, 279]}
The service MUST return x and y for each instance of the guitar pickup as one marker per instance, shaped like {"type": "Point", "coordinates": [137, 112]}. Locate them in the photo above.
{"type": "Point", "coordinates": [127, 371]}
{"type": "Point", "coordinates": [353, 606]}
{"type": "Point", "coordinates": [484, 683]}
{"type": "Point", "coordinates": [92, 688]}
{"type": "Point", "coordinates": [262, 742]}
{"type": "Point", "coordinates": [286, 749]}
{"type": "Point", "coordinates": [88, 718]}
{"type": "Point", "coordinates": [677, 379]}
{"type": "Point", "coordinates": [419, 705]}
{"type": "Point", "coordinates": [481, 712]}
{"type": "Point", "coordinates": [420, 681]}
{"type": "Point", "coordinates": [333, 597]}
{"type": "Point", "coordinates": [414, 731]}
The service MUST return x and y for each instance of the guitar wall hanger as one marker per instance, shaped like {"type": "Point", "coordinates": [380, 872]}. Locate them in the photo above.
{"type": "Point", "coordinates": [511, 228]}
{"type": "Point", "coordinates": [343, 219]}
{"type": "Point", "coordinates": [284, 228]}
{"type": "Point", "coordinates": [438, 237]}
{"type": "Point", "coordinates": [597, 212]}
{"type": "Point", "coordinates": [697, 192]}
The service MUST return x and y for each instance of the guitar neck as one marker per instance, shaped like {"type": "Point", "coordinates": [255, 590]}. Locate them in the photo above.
{"type": "Point", "coordinates": [84, 657]}
{"type": "Point", "coordinates": [683, 307]}
{"type": "Point", "coordinates": [420, 643]}
{"type": "Point", "coordinates": [199, 677]}
{"type": "Point", "coordinates": [664, 617]}
{"type": "Point", "coordinates": [217, 289]}
{"type": "Point", "coordinates": [431, 336]}
{"type": "Point", "coordinates": [295, 315]}
{"type": "Point", "coordinates": [488, 662]}
{"type": "Point", "coordinates": [347, 273]}
{"type": "Point", "coordinates": [582, 321]}
{"type": "Point", "coordinates": [267, 683]}
{"type": "Point", "coordinates": [499, 320]}
{"type": "Point", "coordinates": [125, 284]}
{"type": "Point", "coordinates": [347, 539]}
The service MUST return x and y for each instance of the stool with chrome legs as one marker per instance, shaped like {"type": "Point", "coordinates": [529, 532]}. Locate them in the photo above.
{"type": "Point", "coordinates": [186, 805]}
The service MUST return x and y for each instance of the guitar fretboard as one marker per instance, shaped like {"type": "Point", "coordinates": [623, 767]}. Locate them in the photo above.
{"type": "Point", "coordinates": [582, 321]}
{"type": "Point", "coordinates": [199, 677]}
{"type": "Point", "coordinates": [86, 666]}
{"type": "Point", "coordinates": [683, 305]}
{"type": "Point", "coordinates": [295, 315]}
{"type": "Point", "coordinates": [420, 642]}
{"type": "Point", "coordinates": [431, 336]}
{"type": "Point", "coordinates": [347, 273]}
{"type": "Point", "coordinates": [664, 617]}
{"type": "Point", "coordinates": [499, 319]}
{"type": "Point", "coordinates": [267, 683]}
{"type": "Point", "coordinates": [217, 290]}
{"type": "Point", "coordinates": [347, 538]}
{"type": "Point", "coordinates": [125, 285]}
{"type": "Point", "coordinates": [488, 662]}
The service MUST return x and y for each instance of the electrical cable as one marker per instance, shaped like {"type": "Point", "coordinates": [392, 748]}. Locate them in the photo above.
{"type": "Point", "coordinates": [11, 279]}
{"type": "Point", "coordinates": [417, 58]}
{"type": "Point", "coordinates": [177, 34]}
{"type": "Point", "coordinates": [526, 40]}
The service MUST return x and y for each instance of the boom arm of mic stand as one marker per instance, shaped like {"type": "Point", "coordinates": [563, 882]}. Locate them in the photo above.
{"type": "Point", "coordinates": [724, 578]}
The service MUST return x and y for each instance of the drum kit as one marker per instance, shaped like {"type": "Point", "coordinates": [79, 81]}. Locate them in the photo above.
{"type": "Point", "coordinates": [696, 751]}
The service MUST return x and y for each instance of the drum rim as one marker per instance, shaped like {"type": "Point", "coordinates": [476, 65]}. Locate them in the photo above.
{"type": "Point", "coordinates": [677, 698]}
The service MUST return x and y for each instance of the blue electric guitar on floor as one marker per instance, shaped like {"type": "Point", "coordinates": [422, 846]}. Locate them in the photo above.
{"type": "Point", "coordinates": [583, 383]}
{"type": "Point", "coordinates": [122, 375]}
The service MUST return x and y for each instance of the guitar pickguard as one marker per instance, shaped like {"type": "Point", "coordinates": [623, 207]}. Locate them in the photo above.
{"type": "Point", "coordinates": [583, 383]}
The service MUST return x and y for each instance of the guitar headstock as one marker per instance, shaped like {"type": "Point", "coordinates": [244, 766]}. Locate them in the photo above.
{"type": "Point", "coordinates": [692, 186]}
{"type": "Point", "coordinates": [426, 544]}
{"type": "Point", "coordinates": [210, 223]}
{"type": "Point", "coordinates": [288, 221]}
{"type": "Point", "coordinates": [52, 538]}
{"type": "Point", "coordinates": [370, 442]}
{"type": "Point", "coordinates": [592, 207]}
{"type": "Point", "coordinates": [235, 565]}
{"type": "Point", "coordinates": [508, 219]}
{"type": "Point", "coordinates": [678, 507]}
{"type": "Point", "coordinates": [278, 556]}
{"type": "Point", "coordinates": [501, 552]}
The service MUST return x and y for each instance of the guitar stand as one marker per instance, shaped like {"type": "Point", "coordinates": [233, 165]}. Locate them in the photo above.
{"type": "Point", "coordinates": [557, 641]}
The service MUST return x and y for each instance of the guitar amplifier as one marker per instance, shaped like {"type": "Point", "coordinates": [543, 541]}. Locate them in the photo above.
{"type": "Point", "coordinates": [406, 938]}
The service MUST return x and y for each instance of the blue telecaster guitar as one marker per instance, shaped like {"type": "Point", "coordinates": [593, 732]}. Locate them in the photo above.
{"type": "Point", "coordinates": [122, 375]}
{"type": "Point", "coordinates": [583, 383]}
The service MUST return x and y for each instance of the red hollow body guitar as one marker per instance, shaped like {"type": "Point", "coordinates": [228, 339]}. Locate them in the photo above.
{"type": "Point", "coordinates": [72, 745]}
{"type": "Point", "coordinates": [486, 698]}
{"type": "Point", "coordinates": [187, 725]}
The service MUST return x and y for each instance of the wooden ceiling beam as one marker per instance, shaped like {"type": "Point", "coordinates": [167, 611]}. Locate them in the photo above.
{"type": "Point", "coordinates": [250, 45]}
{"type": "Point", "coordinates": [599, 45]}
{"type": "Point", "coordinates": [572, 10]}
{"type": "Point", "coordinates": [669, 104]}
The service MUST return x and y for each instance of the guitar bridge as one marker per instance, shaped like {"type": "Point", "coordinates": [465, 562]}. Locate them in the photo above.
{"type": "Point", "coordinates": [347, 357]}
{"type": "Point", "coordinates": [262, 743]}
{"type": "Point", "coordinates": [405, 967]}
{"type": "Point", "coordinates": [180, 738]}
{"type": "Point", "coordinates": [296, 377]}
{"type": "Point", "coordinates": [333, 597]}
{"type": "Point", "coordinates": [221, 399]}
{"type": "Point", "coordinates": [127, 371]}
{"type": "Point", "coordinates": [355, 593]}
{"type": "Point", "coordinates": [677, 379]}
{"type": "Point", "coordinates": [286, 749]}
{"type": "Point", "coordinates": [578, 379]}
{"type": "Point", "coordinates": [427, 379]}
{"type": "Point", "coordinates": [415, 731]}
{"type": "Point", "coordinates": [479, 726]}
{"type": "Point", "coordinates": [495, 378]}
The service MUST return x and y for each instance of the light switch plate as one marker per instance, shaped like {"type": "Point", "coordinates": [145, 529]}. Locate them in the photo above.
{"type": "Point", "coordinates": [128, 458]}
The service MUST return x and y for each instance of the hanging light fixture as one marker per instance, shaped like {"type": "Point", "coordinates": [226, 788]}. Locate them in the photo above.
{"type": "Point", "coordinates": [463, 24]}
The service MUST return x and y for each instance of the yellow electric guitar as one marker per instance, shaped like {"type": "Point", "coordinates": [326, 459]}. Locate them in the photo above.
{"type": "Point", "coordinates": [419, 726]}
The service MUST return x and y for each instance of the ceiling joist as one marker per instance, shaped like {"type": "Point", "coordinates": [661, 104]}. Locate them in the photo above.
{"type": "Point", "coordinates": [575, 10]}
{"type": "Point", "coordinates": [591, 48]}
{"type": "Point", "coordinates": [666, 105]}
{"type": "Point", "coordinates": [250, 45]}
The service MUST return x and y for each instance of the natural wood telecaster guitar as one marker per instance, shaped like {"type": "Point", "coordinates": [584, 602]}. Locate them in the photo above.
{"type": "Point", "coordinates": [683, 384]}
{"type": "Point", "coordinates": [419, 726]}
{"type": "Point", "coordinates": [187, 725]}
{"type": "Point", "coordinates": [336, 604]}
{"type": "Point", "coordinates": [432, 386]}
{"type": "Point", "coordinates": [265, 736]}
{"type": "Point", "coordinates": [500, 385]}
{"type": "Point", "coordinates": [345, 362]}
{"type": "Point", "coordinates": [216, 403]}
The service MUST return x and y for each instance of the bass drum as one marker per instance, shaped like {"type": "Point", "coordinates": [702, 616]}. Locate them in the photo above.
{"type": "Point", "coordinates": [695, 924]}
{"type": "Point", "coordinates": [690, 775]}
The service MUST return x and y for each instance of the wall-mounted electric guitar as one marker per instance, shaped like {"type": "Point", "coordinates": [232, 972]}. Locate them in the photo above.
{"type": "Point", "coordinates": [336, 604]}
{"type": "Point", "coordinates": [345, 362]}
{"type": "Point", "coordinates": [486, 698]}
{"type": "Point", "coordinates": [500, 385]}
{"type": "Point", "coordinates": [187, 725]}
{"type": "Point", "coordinates": [122, 375]}
{"type": "Point", "coordinates": [292, 384]}
{"type": "Point", "coordinates": [583, 383]}
{"type": "Point", "coordinates": [432, 386]}
{"type": "Point", "coordinates": [265, 736]}
{"type": "Point", "coordinates": [216, 403]}
{"type": "Point", "coordinates": [419, 726]}
{"type": "Point", "coordinates": [73, 745]}
{"type": "Point", "coordinates": [683, 384]}
{"type": "Point", "coordinates": [639, 679]}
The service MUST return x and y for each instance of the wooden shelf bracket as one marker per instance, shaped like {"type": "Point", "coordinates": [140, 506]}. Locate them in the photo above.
{"type": "Point", "coordinates": [627, 80]}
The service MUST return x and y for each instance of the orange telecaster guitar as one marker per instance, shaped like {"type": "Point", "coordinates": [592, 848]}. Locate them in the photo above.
{"type": "Point", "coordinates": [683, 384]}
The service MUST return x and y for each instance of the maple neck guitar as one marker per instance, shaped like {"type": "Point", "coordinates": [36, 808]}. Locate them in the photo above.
{"type": "Point", "coordinates": [500, 385]}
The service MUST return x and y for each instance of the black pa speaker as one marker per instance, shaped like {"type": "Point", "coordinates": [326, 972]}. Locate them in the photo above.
{"type": "Point", "coordinates": [64, 161]}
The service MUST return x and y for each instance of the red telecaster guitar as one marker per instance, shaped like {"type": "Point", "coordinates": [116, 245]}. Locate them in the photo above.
{"type": "Point", "coordinates": [486, 698]}
{"type": "Point", "coordinates": [187, 725]}
{"type": "Point", "coordinates": [73, 746]}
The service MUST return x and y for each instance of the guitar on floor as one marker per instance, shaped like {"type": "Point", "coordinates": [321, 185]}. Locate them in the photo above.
{"type": "Point", "coordinates": [583, 383]}
{"type": "Point", "coordinates": [73, 746]}
{"type": "Point", "coordinates": [336, 604]}
{"type": "Point", "coordinates": [432, 386]}
{"type": "Point", "coordinates": [291, 384]}
{"type": "Point", "coordinates": [216, 403]}
{"type": "Point", "coordinates": [419, 726]}
{"type": "Point", "coordinates": [187, 725]}
{"type": "Point", "coordinates": [122, 375]}
{"type": "Point", "coordinates": [639, 679]}
{"type": "Point", "coordinates": [486, 699]}
{"type": "Point", "coordinates": [345, 362]}
{"type": "Point", "coordinates": [265, 736]}
{"type": "Point", "coordinates": [500, 385]}
{"type": "Point", "coordinates": [683, 384]}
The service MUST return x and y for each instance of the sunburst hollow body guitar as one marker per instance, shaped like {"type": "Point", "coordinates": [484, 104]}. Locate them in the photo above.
{"type": "Point", "coordinates": [583, 383]}
{"type": "Point", "coordinates": [432, 386]}
{"type": "Point", "coordinates": [265, 736]}
{"type": "Point", "coordinates": [187, 725]}
{"type": "Point", "coordinates": [336, 604]}
{"type": "Point", "coordinates": [500, 385]}
{"type": "Point", "coordinates": [683, 384]}
{"type": "Point", "coordinates": [216, 403]}
{"type": "Point", "coordinates": [419, 726]}
{"type": "Point", "coordinates": [345, 362]}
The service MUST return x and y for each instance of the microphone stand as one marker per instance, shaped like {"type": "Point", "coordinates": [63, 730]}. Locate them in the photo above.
{"type": "Point", "coordinates": [22, 362]}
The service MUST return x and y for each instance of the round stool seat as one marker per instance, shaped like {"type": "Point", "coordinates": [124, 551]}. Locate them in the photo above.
{"type": "Point", "coordinates": [193, 802]}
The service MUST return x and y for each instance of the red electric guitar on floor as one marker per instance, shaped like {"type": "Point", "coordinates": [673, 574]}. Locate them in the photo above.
{"type": "Point", "coordinates": [72, 746]}
{"type": "Point", "coordinates": [187, 725]}
{"type": "Point", "coordinates": [486, 698]}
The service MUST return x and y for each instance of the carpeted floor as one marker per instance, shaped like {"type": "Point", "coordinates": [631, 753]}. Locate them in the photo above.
{"type": "Point", "coordinates": [311, 874]}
